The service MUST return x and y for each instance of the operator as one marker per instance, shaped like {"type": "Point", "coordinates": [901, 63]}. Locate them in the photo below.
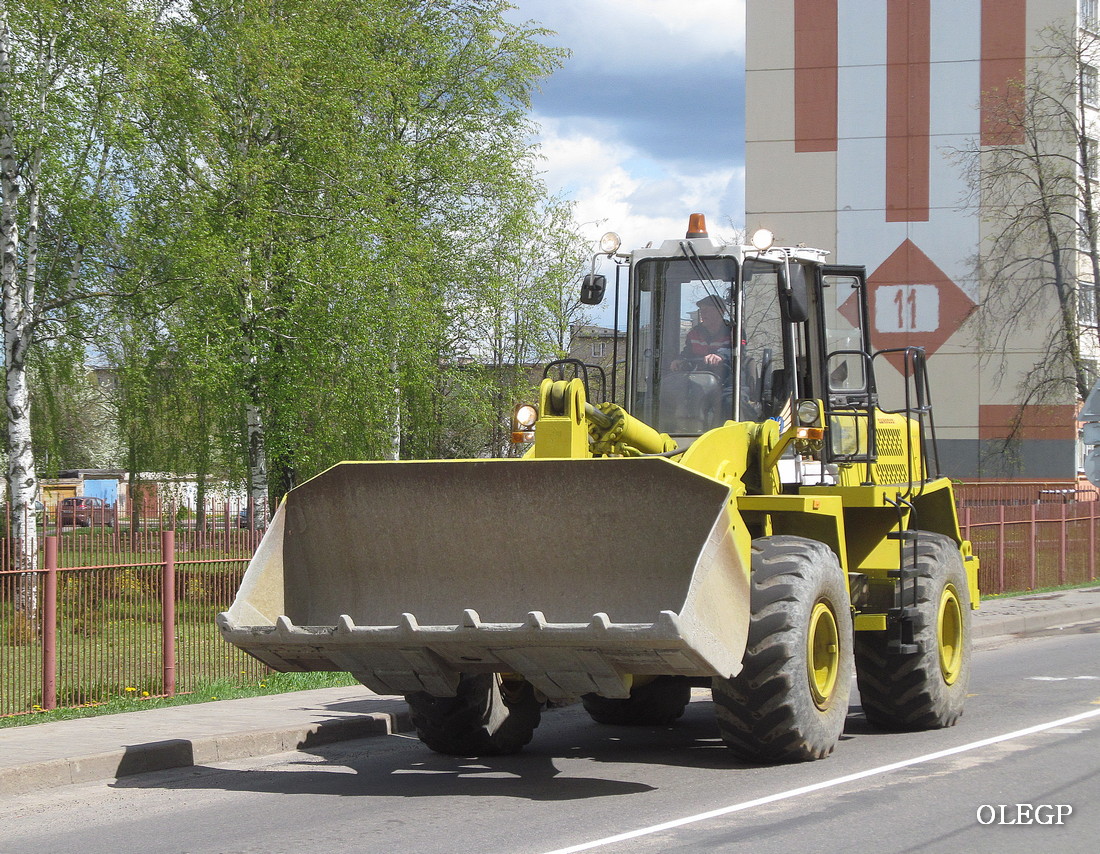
{"type": "Point", "coordinates": [707, 345]}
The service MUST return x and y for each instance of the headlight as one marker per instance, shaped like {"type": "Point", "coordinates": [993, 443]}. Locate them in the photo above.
{"type": "Point", "coordinates": [526, 416]}
{"type": "Point", "coordinates": [610, 243]}
{"type": "Point", "coordinates": [809, 414]}
{"type": "Point", "coordinates": [762, 239]}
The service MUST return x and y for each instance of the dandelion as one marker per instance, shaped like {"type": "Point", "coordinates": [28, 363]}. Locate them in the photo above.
{"type": "Point", "coordinates": [145, 693]}
{"type": "Point", "coordinates": [130, 690]}
{"type": "Point", "coordinates": [213, 698]}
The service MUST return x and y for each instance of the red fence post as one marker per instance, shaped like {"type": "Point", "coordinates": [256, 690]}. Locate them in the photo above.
{"type": "Point", "coordinates": [1062, 552]}
{"type": "Point", "coordinates": [1092, 539]}
{"type": "Point", "coordinates": [168, 608]}
{"type": "Point", "coordinates": [49, 628]}
{"type": "Point", "coordinates": [1001, 534]}
{"type": "Point", "coordinates": [1033, 569]}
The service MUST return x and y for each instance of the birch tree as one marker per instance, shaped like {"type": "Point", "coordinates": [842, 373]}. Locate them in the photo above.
{"type": "Point", "coordinates": [62, 141]}
{"type": "Point", "coordinates": [1039, 187]}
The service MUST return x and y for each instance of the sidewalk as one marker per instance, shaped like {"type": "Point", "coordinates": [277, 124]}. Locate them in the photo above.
{"type": "Point", "coordinates": [56, 754]}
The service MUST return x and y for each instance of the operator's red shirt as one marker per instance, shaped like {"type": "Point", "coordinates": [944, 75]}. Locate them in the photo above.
{"type": "Point", "coordinates": [701, 342]}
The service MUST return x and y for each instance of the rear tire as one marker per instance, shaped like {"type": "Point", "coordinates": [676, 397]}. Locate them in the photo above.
{"type": "Point", "coordinates": [790, 700]}
{"type": "Point", "coordinates": [927, 689]}
{"type": "Point", "coordinates": [487, 717]}
{"type": "Point", "coordinates": [660, 701]}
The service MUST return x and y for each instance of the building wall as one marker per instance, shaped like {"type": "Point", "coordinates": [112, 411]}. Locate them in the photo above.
{"type": "Point", "coordinates": [856, 114]}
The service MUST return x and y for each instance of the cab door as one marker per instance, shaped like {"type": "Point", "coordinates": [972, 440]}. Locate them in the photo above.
{"type": "Point", "coordinates": [846, 382]}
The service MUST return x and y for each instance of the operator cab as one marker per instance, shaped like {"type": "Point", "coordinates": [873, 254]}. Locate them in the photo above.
{"type": "Point", "coordinates": [741, 333]}
{"type": "Point", "coordinates": [708, 335]}
{"type": "Point", "coordinates": [711, 335]}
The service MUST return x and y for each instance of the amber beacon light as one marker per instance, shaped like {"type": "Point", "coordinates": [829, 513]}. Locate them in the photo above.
{"type": "Point", "coordinates": [697, 226]}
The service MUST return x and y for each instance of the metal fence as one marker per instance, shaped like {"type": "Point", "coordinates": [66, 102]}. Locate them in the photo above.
{"type": "Point", "coordinates": [1028, 546]}
{"type": "Point", "coordinates": [1031, 534]}
{"type": "Point", "coordinates": [121, 608]}
{"type": "Point", "coordinates": [1017, 493]}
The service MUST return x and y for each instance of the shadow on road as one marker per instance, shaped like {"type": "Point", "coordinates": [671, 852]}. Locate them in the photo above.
{"type": "Point", "coordinates": [399, 766]}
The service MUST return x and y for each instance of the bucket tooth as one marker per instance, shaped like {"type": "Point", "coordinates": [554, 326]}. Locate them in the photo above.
{"type": "Point", "coordinates": [600, 622]}
{"type": "Point", "coordinates": [408, 623]}
{"type": "Point", "coordinates": [536, 620]}
{"type": "Point", "coordinates": [470, 619]}
{"type": "Point", "coordinates": [668, 622]}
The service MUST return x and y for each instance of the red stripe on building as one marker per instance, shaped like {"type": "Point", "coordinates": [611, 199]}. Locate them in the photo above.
{"type": "Point", "coordinates": [1004, 48]}
{"type": "Point", "coordinates": [908, 106]}
{"type": "Point", "coordinates": [997, 421]}
{"type": "Point", "coordinates": [815, 75]}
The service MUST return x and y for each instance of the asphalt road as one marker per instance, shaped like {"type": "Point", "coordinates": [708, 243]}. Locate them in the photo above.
{"type": "Point", "coordinates": [1030, 735]}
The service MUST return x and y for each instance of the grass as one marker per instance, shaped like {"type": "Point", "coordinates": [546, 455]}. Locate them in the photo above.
{"type": "Point", "coordinates": [222, 689]}
{"type": "Point", "coordinates": [1052, 589]}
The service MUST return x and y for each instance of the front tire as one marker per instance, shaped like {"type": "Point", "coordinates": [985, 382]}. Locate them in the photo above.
{"type": "Point", "coordinates": [657, 702]}
{"type": "Point", "coordinates": [926, 689]}
{"type": "Point", "coordinates": [790, 700]}
{"type": "Point", "coordinates": [486, 717]}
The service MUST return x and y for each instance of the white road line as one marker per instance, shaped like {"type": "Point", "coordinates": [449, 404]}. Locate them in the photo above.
{"type": "Point", "coordinates": [827, 784]}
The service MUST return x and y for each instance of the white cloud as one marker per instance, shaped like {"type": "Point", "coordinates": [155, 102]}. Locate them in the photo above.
{"type": "Point", "coordinates": [615, 187]}
{"type": "Point", "coordinates": [643, 125]}
{"type": "Point", "coordinates": [642, 33]}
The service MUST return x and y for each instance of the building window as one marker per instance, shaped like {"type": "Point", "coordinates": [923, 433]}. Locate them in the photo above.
{"type": "Point", "coordinates": [1088, 13]}
{"type": "Point", "coordinates": [1086, 303]}
{"type": "Point", "coordinates": [1092, 154]}
{"type": "Point", "coordinates": [598, 349]}
{"type": "Point", "coordinates": [1090, 84]}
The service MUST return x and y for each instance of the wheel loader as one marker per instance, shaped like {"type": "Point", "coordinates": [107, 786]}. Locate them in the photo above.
{"type": "Point", "coordinates": [749, 517]}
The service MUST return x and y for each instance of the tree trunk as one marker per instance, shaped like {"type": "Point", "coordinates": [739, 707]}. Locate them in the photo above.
{"type": "Point", "coordinates": [22, 481]}
{"type": "Point", "coordinates": [257, 451]}
{"type": "Point", "coordinates": [18, 299]}
{"type": "Point", "coordinates": [395, 414]}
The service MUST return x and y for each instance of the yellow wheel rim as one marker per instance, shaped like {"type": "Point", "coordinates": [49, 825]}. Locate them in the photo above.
{"type": "Point", "coordinates": [823, 654]}
{"type": "Point", "coordinates": [949, 630]}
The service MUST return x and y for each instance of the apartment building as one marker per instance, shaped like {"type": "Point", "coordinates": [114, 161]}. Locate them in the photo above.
{"type": "Point", "coordinates": [871, 125]}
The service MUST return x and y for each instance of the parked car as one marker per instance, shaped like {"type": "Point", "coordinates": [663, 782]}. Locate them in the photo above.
{"type": "Point", "coordinates": [246, 520]}
{"type": "Point", "coordinates": [84, 511]}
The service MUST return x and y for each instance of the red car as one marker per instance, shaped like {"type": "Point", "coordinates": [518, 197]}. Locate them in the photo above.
{"type": "Point", "coordinates": [84, 511]}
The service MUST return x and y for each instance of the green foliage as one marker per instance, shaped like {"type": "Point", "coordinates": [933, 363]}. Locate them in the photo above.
{"type": "Point", "coordinates": [318, 230]}
{"type": "Point", "coordinates": [130, 698]}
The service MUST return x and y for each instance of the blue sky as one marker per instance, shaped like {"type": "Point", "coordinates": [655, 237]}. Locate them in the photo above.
{"type": "Point", "coordinates": [644, 124]}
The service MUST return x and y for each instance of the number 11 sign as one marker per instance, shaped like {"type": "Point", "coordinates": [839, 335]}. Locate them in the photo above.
{"type": "Point", "coordinates": [914, 303]}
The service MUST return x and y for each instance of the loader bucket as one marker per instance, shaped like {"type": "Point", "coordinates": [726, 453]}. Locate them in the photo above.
{"type": "Point", "coordinates": [572, 573]}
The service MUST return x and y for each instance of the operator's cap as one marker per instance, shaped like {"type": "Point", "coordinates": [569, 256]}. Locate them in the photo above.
{"type": "Point", "coordinates": [711, 300]}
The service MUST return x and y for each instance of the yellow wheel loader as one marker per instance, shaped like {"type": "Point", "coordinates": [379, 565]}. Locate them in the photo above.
{"type": "Point", "coordinates": [750, 518]}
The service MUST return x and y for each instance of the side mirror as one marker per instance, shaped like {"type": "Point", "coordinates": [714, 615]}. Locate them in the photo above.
{"type": "Point", "coordinates": [592, 288]}
{"type": "Point", "coordinates": [796, 301]}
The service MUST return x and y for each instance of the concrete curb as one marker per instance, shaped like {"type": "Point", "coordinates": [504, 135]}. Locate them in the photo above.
{"type": "Point", "coordinates": [183, 753]}
{"type": "Point", "coordinates": [996, 625]}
